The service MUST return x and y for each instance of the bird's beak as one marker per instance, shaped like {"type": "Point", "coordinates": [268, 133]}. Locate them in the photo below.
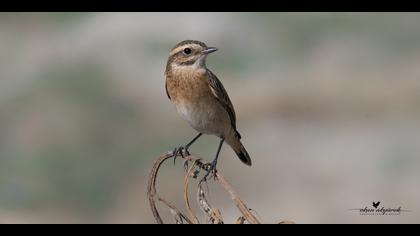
{"type": "Point", "coordinates": [209, 50]}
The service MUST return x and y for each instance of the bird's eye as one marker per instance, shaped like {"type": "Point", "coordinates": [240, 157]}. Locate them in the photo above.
{"type": "Point", "coordinates": [187, 51]}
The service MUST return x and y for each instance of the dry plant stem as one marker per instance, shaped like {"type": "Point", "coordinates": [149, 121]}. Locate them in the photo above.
{"type": "Point", "coordinates": [251, 218]}
{"type": "Point", "coordinates": [176, 212]}
{"type": "Point", "coordinates": [151, 186]}
{"type": "Point", "coordinates": [186, 198]}
{"type": "Point", "coordinates": [196, 162]}
{"type": "Point", "coordinates": [213, 214]}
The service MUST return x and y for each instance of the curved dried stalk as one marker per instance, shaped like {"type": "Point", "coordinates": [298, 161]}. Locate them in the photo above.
{"type": "Point", "coordinates": [251, 218]}
{"type": "Point", "coordinates": [186, 198]}
{"type": "Point", "coordinates": [151, 186]}
{"type": "Point", "coordinates": [178, 216]}
{"type": "Point", "coordinates": [212, 213]}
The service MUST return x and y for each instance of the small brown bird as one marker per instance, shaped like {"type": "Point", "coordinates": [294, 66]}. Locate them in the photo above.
{"type": "Point", "coordinates": [201, 99]}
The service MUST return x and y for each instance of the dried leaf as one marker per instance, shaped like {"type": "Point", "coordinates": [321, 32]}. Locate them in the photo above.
{"type": "Point", "coordinates": [213, 214]}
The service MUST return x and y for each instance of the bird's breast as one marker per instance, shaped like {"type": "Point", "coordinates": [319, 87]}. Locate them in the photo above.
{"type": "Point", "coordinates": [196, 104]}
{"type": "Point", "coordinates": [187, 86]}
{"type": "Point", "coordinates": [191, 95]}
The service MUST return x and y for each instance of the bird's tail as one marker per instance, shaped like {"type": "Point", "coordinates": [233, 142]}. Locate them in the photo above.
{"type": "Point", "coordinates": [235, 142]}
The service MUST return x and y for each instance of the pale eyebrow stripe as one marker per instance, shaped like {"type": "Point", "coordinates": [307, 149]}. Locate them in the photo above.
{"type": "Point", "coordinates": [178, 49]}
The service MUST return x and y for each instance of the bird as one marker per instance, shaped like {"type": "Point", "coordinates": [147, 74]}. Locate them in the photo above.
{"type": "Point", "coordinates": [201, 99]}
{"type": "Point", "coordinates": [376, 204]}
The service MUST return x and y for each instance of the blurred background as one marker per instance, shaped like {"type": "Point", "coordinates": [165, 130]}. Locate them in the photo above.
{"type": "Point", "coordinates": [328, 105]}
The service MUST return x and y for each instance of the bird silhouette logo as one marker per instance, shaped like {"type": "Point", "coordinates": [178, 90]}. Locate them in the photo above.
{"type": "Point", "coordinates": [376, 204]}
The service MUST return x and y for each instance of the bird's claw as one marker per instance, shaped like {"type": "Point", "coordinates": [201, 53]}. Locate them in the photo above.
{"type": "Point", "coordinates": [196, 173]}
{"type": "Point", "coordinates": [176, 152]}
{"type": "Point", "coordinates": [180, 151]}
{"type": "Point", "coordinates": [185, 165]}
{"type": "Point", "coordinates": [211, 171]}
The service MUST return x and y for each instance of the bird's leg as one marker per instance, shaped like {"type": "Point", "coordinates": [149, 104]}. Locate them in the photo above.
{"type": "Point", "coordinates": [179, 151]}
{"type": "Point", "coordinates": [190, 143]}
{"type": "Point", "coordinates": [212, 166]}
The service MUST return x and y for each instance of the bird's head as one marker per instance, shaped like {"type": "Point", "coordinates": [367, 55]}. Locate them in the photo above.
{"type": "Point", "coordinates": [188, 54]}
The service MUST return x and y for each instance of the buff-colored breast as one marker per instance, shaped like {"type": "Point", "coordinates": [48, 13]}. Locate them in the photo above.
{"type": "Point", "coordinates": [194, 101]}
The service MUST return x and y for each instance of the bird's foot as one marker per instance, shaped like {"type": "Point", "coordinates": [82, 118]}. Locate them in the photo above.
{"type": "Point", "coordinates": [211, 171]}
{"type": "Point", "coordinates": [183, 152]}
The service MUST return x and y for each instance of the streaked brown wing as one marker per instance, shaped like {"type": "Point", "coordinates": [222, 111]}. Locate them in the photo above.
{"type": "Point", "coordinates": [220, 93]}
